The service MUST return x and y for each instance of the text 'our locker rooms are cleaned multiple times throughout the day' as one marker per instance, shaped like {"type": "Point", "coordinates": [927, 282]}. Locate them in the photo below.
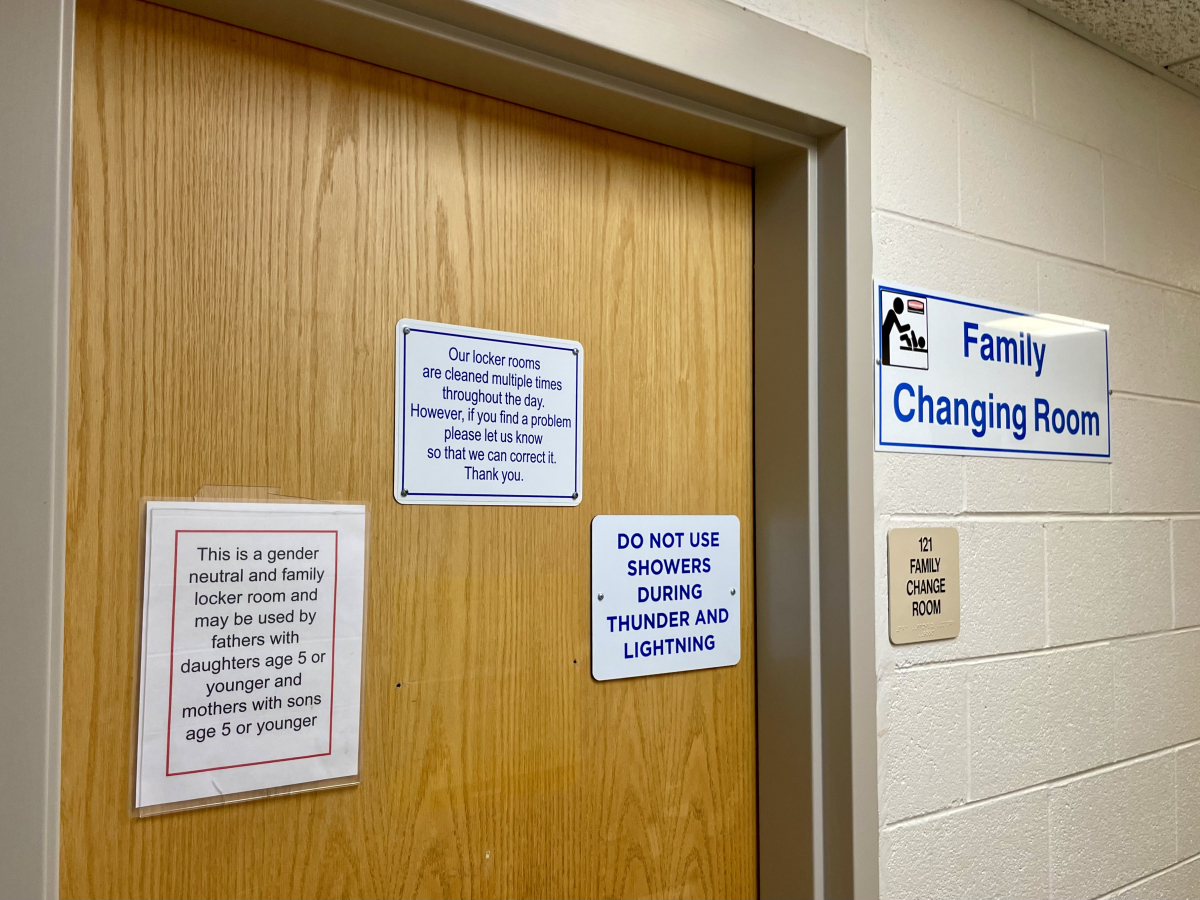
{"type": "Point", "coordinates": [487, 417]}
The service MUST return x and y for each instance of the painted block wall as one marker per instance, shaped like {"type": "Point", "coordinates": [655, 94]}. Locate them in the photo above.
{"type": "Point", "coordinates": [1052, 749]}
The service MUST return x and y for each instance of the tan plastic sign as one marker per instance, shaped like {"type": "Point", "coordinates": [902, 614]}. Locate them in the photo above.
{"type": "Point", "coordinates": [923, 584]}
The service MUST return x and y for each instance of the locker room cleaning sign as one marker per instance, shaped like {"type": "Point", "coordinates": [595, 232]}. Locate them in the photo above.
{"type": "Point", "coordinates": [252, 626]}
{"type": "Point", "coordinates": [983, 379]}
{"type": "Point", "coordinates": [487, 417]}
{"type": "Point", "coordinates": [666, 594]}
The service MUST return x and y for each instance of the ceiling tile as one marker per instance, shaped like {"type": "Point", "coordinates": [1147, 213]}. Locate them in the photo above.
{"type": "Point", "coordinates": [1159, 31]}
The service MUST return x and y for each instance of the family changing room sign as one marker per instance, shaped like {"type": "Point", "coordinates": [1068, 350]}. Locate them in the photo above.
{"type": "Point", "coordinates": [964, 377]}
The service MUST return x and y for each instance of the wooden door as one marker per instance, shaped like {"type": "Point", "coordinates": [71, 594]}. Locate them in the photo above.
{"type": "Point", "coordinates": [250, 219]}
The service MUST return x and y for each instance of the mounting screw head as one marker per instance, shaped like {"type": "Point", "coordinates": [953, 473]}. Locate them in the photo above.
{"type": "Point", "coordinates": [732, 591]}
{"type": "Point", "coordinates": [575, 350]}
{"type": "Point", "coordinates": [878, 362]}
{"type": "Point", "coordinates": [575, 496]}
{"type": "Point", "coordinates": [403, 492]}
{"type": "Point", "coordinates": [599, 596]}
{"type": "Point", "coordinates": [407, 329]}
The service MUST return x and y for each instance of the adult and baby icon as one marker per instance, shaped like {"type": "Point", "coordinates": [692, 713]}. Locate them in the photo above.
{"type": "Point", "coordinates": [910, 342]}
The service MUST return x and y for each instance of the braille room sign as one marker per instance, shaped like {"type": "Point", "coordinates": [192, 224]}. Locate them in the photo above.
{"type": "Point", "coordinates": [923, 597]}
{"type": "Point", "coordinates": [983, 379]}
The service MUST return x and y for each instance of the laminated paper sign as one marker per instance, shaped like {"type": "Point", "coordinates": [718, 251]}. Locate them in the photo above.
{"type": "Point", "coordinates": [252, 629]}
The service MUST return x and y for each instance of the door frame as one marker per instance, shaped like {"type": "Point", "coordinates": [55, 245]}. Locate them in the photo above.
{"type": "Point", "coordinates": [702, 75]}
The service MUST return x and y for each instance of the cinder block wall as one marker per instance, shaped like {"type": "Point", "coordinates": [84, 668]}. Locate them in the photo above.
{"type": "Point", "coordinates": [1051, 750]}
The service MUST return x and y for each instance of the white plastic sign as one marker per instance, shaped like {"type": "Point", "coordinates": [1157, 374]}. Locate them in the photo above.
{"type": "Point", "coordinates": [252, 627]}
{"type": "Point", "coordinates": [666, 594]}
{"type": "Point", "coordinates": [983, 379]}
{"type": "Point", "coordinates": [487, 417]}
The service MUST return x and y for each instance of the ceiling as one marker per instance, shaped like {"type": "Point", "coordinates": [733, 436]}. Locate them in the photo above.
{"type": "Point", "coordinates": [1165, 34]}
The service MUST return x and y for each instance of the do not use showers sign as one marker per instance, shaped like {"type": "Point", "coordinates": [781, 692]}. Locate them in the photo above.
{"type": "Point", "coordinates": [965, 377]}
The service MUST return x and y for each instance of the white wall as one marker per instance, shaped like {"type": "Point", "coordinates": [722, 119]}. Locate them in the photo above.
{"type": "Point", "coordinates": [1051, 750]}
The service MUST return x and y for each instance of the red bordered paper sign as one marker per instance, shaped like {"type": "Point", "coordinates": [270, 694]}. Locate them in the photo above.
{"type": "Point", "coordinates": [252, 627]}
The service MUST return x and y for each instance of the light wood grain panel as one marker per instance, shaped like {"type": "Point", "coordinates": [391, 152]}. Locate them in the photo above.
{"type": "Point", "coordinates": [250, 219]}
